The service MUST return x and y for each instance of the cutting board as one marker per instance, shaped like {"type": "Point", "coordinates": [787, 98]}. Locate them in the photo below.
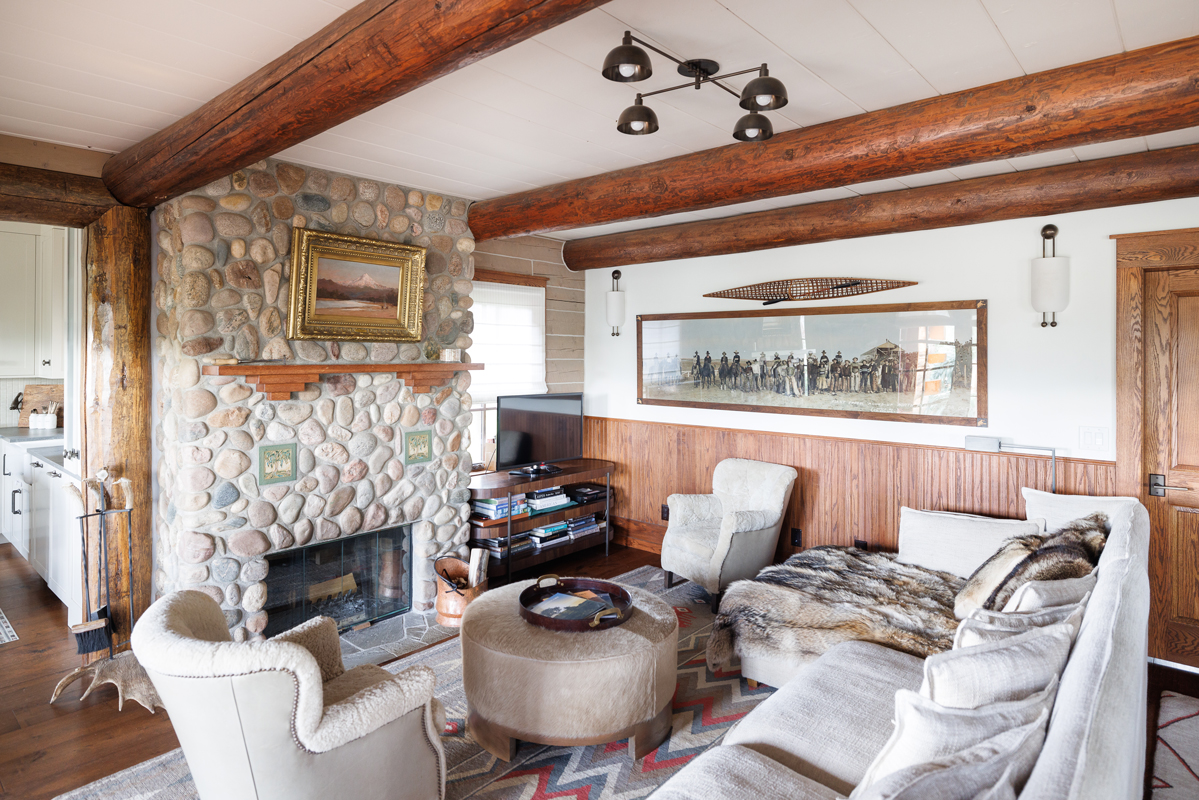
{"type": "Point", "coordinates": [37, 397]}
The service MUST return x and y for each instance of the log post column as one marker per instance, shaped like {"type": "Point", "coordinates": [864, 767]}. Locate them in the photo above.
{"type": "Point", "coordinates": [116, 399]}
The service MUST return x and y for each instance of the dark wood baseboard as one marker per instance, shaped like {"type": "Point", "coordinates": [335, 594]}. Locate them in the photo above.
{"type": "Point", "coordinates": [638, 535]}
{"type": "Point", "coordinates": [1163, 679]}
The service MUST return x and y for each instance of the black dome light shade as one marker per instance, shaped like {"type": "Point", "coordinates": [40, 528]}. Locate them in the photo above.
{"type": "Point", "coordinates": [627, 63]}
{"type": "Point", "coordinates": [763, 93]}
{"type": "Point", "coordinates": [637, 119]}
{"type": "Point", "coordinates": [753, 128]}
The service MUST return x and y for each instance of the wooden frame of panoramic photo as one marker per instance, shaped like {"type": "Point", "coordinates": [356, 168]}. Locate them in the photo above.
{"type": "Point", "coordinates": [348, 288]}
{"type": "Point", "coordinates": [910, 362]}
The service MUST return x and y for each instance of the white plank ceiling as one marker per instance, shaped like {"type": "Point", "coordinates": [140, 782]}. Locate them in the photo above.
{"type": "Point", "coordinates": [104, 74]}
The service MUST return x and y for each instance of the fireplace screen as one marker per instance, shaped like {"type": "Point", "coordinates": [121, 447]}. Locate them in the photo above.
{"type": "Point", "coordinates": [357, 579]}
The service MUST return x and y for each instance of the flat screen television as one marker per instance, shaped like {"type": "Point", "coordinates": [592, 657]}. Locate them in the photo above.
{"type": "Point", "coordinates": [535, 430]}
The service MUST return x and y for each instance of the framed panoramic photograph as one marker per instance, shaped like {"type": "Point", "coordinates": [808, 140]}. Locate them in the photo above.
{"type": "Point", "coordinates": [277, 463]}
{"type": "Point", "coordinates": [356, 289]}
{"type": "Point", "coordinates": [916, 362]}
{"type": "Point", "coordinates": [418, 447]}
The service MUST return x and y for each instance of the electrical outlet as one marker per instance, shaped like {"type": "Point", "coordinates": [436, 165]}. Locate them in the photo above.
{"type": "Point", "coordinates": [796, 537]}
{"type": "Point", "coordinates": [861, 544]}
{"type": "Point", "coordinates": [665, 511]}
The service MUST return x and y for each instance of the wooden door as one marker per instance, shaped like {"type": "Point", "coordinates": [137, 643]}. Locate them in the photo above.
{"type": "Point", "coordinates": [1171, 450]}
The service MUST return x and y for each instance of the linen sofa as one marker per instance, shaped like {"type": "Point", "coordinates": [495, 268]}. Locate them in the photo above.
{"type": "Point", "coordinates": [816, 737]}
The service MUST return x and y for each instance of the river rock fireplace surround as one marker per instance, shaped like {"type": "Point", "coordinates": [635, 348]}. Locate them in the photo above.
{"type": "Point", "coordinates": [221, 291]}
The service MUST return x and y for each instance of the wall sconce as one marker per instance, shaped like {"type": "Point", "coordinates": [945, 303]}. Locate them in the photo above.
{"type": "Point", "coordinates": [628, 63]}
{"type": "Point", "coordinates": [1050, 280]}
{"type": "Point", "coordinates": [616, 304]}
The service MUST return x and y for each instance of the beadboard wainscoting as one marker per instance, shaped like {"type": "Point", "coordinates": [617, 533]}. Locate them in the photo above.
{"type": "Point", "coordinates": [848, 488]}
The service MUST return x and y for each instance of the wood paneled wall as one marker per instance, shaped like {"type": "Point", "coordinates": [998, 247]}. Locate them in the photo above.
{"type": "Point", "coordinates": [847, 489]}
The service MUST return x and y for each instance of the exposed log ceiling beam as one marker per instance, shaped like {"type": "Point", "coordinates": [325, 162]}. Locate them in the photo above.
{"type": "Point", "coordinates": [1132, 94]}
{"type": "Point", "coordinates": [375, 52]}
{"type": "Point", "coordinates": [1136, 178]}
{"type": "Point", "coordinates": [28, 194]}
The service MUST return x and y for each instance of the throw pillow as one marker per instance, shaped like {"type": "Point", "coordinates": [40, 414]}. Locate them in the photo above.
{"type": "Point", "coordinates": [1048, 594]}
{"type": "Point", "coordinates": [925, 731]}
{"type": "Point", "coordinates": [955, 543]}
{"type": "Point", "coordinates": [1000, 791]}
{"type": "Point", "coordinates": [968, 772]}
{"type": "Point", "coordinates": [1062, 509]}
{"type": "Point", "coordinates": [973, 632]}
{"type": "Point", "coordinates": [1010, 669]}
{"type": "Point", "coordinates": [1023, 620]}
{"type": "Point", "coordinates": [1071, 552]}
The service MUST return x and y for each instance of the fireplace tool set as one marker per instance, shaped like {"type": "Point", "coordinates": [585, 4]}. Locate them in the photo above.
{"type": "Point", "coordinates": [95, 633]}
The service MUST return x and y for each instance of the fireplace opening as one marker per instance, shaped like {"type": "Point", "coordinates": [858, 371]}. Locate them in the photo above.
{"type": "Point", "coordinates": [357, 579]}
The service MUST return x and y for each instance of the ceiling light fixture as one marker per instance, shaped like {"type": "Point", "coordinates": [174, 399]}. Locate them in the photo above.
{"type": "Point", "coordinates": [629, 63]}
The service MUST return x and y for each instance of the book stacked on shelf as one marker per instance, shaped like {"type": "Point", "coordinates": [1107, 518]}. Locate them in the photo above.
{"type": "Point", "coordinates": [581, 526]}
{"type": "Point", "coordinates": [588, 493]}
{"type": "Point", "coordinates": [497, 507]}
{"type": "Point", "coordinates": [548, 499]}
{"type": "Point", "coordinates": [521, 544]}
{"type": "Point", "coordinates": [550, 535]}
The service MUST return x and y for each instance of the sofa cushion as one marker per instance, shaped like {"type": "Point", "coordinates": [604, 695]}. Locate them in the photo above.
{"type": "Point", "coordinates": [925, 731]}
{"type": "Point", "coordinates": [955, 543]}
{"type": "Point", "coordinates": [1036, 595]}
{"type": "Point", "coordinates": [972, 631]}
{"type": "Point", "coordinates": [732, 771]}
{"type": "Point", "coordinates": [969, 772]}
{"type": "Point", "coordinates": [1010, 669]}
{"type": "Point", "coordinates": [1061, 509]}
{"type": "Point", "coordinates": [829, 723]}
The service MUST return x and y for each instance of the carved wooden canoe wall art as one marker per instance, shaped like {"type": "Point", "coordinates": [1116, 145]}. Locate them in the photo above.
{"type": "Point", "coordinates": [772, 292]}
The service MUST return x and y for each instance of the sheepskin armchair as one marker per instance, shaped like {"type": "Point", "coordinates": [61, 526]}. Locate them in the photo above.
{"type": "Point", "coordinates": [731, 534]}
{"type": "Point", "coordinates": [282, 719]}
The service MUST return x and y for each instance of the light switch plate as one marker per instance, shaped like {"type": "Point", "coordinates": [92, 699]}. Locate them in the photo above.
{"type": "Point", "coordinates": [1092, 438]}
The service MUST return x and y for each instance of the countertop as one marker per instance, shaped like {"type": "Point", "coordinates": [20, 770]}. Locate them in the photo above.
{"type": "Point", "coordinates": [23, 435]}
{"type": "Point", "coordinates": [53, 455]}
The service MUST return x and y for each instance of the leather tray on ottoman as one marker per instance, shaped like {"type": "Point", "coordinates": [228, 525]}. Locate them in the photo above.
{"type": "Point", "coordinates": [563, 688]}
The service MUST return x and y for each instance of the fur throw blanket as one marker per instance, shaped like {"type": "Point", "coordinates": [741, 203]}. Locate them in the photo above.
{"type": "Point", "coordinates": [1072, 551]}
{"type": "Point", "coordinates": [828, 595]}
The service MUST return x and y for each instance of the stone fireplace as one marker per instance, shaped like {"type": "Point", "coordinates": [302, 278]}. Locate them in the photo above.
{"type": "Point", "coordinates": [221, 290]}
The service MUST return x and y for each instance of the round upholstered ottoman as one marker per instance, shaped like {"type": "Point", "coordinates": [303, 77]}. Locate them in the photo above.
{"type": "Point", "coordinates": [562, 688]}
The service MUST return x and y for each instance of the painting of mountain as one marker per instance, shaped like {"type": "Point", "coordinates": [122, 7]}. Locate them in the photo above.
{"type": "Point", "coordinates": [353, 289]}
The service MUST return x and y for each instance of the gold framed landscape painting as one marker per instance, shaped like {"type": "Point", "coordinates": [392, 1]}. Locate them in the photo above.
{"type": "Point", "coordinates": [913, 362]}
{"type": "Point", "coordinates": [355, 289]}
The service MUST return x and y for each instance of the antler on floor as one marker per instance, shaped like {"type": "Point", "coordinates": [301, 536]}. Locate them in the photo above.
{"type": "Point", "coordinates": [122, 671]}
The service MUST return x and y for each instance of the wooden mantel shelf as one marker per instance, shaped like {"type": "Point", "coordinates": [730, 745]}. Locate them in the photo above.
{"type": "Point", "coordinates": [278, 381]}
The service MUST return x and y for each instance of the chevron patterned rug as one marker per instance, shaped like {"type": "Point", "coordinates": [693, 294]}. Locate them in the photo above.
{"type": "Point", "coordinates": [705, 706]}
{"type": "Point", "coordinates": [1176, 760]}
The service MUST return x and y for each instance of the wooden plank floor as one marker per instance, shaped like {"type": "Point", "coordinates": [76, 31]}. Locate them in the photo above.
{"type": "Point", "coordinates": [46, 750]}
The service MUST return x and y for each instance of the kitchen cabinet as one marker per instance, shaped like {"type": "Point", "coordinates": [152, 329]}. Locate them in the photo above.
{"type": "Point", "coordinates": [33, 305]}
{"type": "Point", "coordinates": [18, 311]}
{"type": "Point", "coordinates": [54, 534]}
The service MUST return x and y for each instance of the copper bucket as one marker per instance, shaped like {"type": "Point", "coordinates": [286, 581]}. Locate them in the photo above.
{"type": "Point", "coordinates": [452, 599]}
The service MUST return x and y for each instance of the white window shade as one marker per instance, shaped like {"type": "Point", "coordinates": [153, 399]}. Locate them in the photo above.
{"type": "Point", "coordinates": [509, 338]}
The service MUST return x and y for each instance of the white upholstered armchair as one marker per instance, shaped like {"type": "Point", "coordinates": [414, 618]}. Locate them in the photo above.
{"type": "Point", "coordinates": [282, 719]}
{"type": "Point", "coordinates": [731, 534]}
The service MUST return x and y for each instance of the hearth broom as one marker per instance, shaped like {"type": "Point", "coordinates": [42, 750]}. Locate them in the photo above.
{"type": "Point", "coordinates": [94, 634]}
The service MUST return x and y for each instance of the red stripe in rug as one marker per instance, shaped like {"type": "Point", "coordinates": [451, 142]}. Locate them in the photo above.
{"type": "Point", "coordinates": [1181, 760]}
{"type": "Point", "coordinates": [543, 784]}
{"type": "Point", "coordinates": [1179, 719]}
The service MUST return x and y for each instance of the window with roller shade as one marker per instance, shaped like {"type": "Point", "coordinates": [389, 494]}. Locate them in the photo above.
{"type": "Point", "coordinates": [509, 337]}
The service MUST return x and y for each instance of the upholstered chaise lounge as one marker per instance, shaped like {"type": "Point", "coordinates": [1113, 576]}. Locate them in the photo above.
{"type": "Point", "coordinates": [283, 719]}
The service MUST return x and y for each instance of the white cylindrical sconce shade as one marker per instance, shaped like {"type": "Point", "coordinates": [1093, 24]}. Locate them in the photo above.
{"type": "Point", "coordinates": [615, 311]}
{"type": "Point", "coordinates": [1050, 284]}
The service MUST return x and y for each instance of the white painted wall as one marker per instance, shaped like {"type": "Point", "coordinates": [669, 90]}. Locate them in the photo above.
{"type": "Point", "coordinates": [1044, 383]}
